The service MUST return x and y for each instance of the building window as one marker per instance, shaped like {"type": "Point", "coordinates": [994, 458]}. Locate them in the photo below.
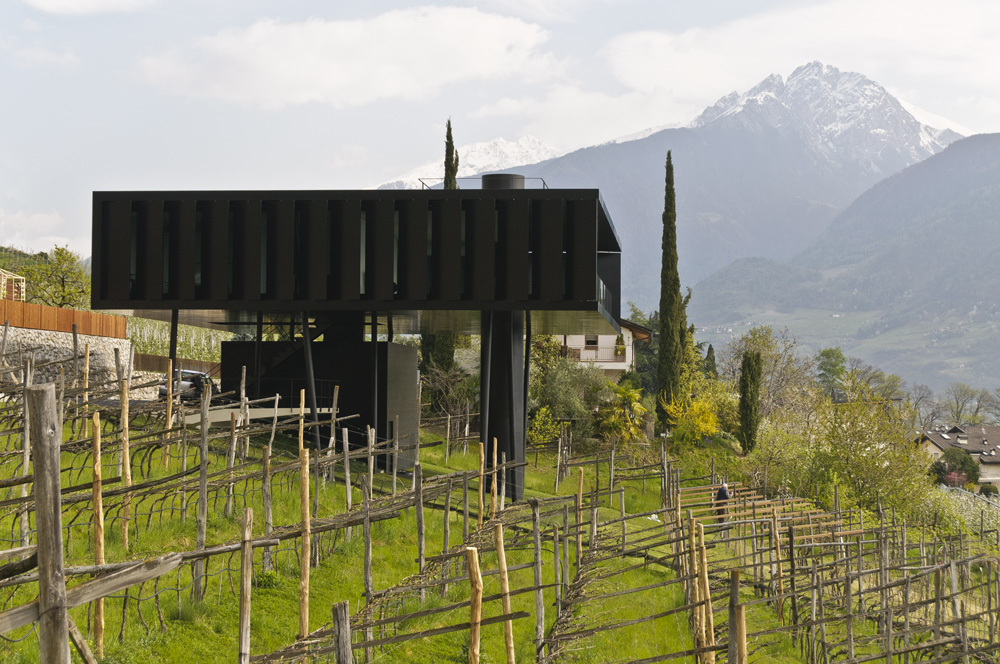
{"type": "Point", "coordinates": [590, 341]}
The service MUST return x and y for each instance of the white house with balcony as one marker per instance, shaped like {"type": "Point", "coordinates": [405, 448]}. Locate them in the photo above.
{"type": "Point", "coordinates": [615, 354]}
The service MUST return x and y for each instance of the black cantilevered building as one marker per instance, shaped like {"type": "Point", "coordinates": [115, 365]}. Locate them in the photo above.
{"type": "Point", "coordinates": [349, 267]}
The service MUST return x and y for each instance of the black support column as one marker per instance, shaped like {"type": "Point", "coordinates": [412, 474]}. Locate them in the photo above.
{"type": "Point", "coordinates": [502, 392]}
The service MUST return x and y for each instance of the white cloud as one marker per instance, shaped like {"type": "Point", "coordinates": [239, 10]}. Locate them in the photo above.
{"type": "Point", "coordinates": [408, 54]}
{"type": "Point", "coordinates": [894, 44]}
{"type": "Point", "coordinates": [87, 6]}
{"type": "Point", "coordinates": [32, 231]}
{"type": "Point", "coordinates": [28, 57]}
{"type": "Point", "coordinates": [570, 117]}
{"type": "Point", "coordinates": [547, 11]}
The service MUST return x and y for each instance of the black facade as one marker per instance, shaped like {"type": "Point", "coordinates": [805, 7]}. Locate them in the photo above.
{"type": "Point", "coordinates": [499, 262]}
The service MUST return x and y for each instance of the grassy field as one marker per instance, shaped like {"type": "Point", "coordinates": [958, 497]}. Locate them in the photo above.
{"type": "Point", "coordinates": [207, 631]}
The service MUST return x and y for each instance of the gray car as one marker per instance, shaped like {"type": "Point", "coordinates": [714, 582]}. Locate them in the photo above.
{"type": "Point", "coordinates": [189, 384]}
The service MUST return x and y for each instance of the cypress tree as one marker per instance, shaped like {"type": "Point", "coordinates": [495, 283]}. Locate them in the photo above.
{"type": "Point", "coordinates": [440, 348]}
{"type": "Point", "coordinates": [751, 368]}
{"type": "Point", "coordinates": [711, 370]}
{"type": "Point", "coordinates": [450, 160]}
{"type": "Point", "coordinates": [673, 320]}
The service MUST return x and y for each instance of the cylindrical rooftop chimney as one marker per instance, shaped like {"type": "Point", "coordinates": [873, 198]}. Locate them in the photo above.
{"type": "Point", "coordinates": [503, 181]}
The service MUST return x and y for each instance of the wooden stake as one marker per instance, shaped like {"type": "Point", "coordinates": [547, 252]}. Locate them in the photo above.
{"type": "Point", "coordinates": [169, 421]}
{"type": "Point", "coordinates": [230, 460]}
{"type": "Point", "coordinates": [342, 632]}
{"type": "Point", "coordinates": [418, 501]}
{"type": "Point", "coordinates": [371, 461]}
{"type": "Point", "coordinates": [539, 599]}
{"type": "Point", "coordinates": [305, 555]}
{"type": "Point", "coordinates": [706, 595]}
{"type": "Point", "coordinates": [482, 469]}
{"type": "Point", "coordinates": [476, 602]}
{"type": "Point", "coordinates": [347, 476]}
{"type": "Point", "coordinates": [493, 484]}
{"type": "Point", "coordinates": [98, 507]}
{"type": "Point", "coordinates": [53, 622]}
{"type": "Point", "coordinates": [199, 565]}
{"type": "Point", "coordinates": [508, 628]}
{"type": "Point", "coordinates": [246, 576]}
{"type": "Point", "coordinates": [126, 465]}
{"type": "Point", "coordinates": [268, 558]}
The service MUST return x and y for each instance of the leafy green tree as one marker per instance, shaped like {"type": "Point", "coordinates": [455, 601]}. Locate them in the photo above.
{"type": "Point", "coordinates": [645, 353]}
{"type": "Point", "coordinates": [787, 381]}
{"type": "Point", "coordinates": [543, 428]}
{"type": "Point", "coordinates": [749, 408]}
{"type": "Point", "coordinates": [673, 318]}
{"type": "Point", "coordinates": [956, 467]}
{"type": "Point", "coordinates": [867, 444]}
{"type": "Point", "coordinates": [830, 366]}
{"type": "Point", "coordinates": [437, 349]}
{"type": "Point", "coordinates": [964, 404]}
{"type": "Point", "coordinates": [60, 281]}
{"type": "Point", "coordinates": [619, 420]}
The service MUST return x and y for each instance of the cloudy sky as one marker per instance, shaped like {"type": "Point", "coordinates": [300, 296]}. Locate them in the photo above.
{"type": "Point", "coordinates": [304, 94]}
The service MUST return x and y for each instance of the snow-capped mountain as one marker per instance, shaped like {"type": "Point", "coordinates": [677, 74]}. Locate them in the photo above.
{"type": "Point", "coordinates": [759, 173]}
{"type": "Point", "coordinates": [482, 157]}
{"type": "Point", "coordinates": [843, 117]}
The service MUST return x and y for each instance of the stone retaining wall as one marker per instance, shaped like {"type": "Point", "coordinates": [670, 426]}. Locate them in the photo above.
{"type": "Point", "coordinates": [47, 347]}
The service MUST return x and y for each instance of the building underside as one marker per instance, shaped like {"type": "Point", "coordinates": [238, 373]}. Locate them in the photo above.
{"type": "Point", "coordinates": [334, 271]}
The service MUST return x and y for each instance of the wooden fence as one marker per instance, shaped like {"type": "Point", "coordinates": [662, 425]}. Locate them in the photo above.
{"type": "Point", "coordinates": [158, 364]}
{"type": "Point", "coordinates": [40, 317]}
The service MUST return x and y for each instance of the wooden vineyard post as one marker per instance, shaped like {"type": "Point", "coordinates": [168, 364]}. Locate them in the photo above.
{"type": "Point", "coordinates": [86, 387]}
{"type": "Point", "coordinates": [98, 507]}
{"type": "Point", "coordinates": [465, 507]}
{"type": "Point", "coordinates": [508, 628]}
{"type": "Point", "coordinates": [246, 576]}
{"type": "Point", "coordinates": [734, 602]}
{"type": "Point", "coordinates": [53, 621]}
{"type": "Point", "coordinates": [199, 565]}
{"type": "Point", "coordinates": [503, 480]}
{"type": "Point", "coordinates": [476, 602]}
{"type": "Point", "coordinates": [555, 568]}
{"type": "Point", "coordinates": [418, 501]}
{"type": "Point", "coordinates": [579, 519]}
{"type": "Point", "coordinates": [268, 559]}
{"type": "Point", "coordinates": [621, 504]}
{"type": "Point", "coordinates": [230, 461]}
{"type": "Point", "coordinates": [446, 544]}
{"type": "Point", "coordinates": [347, 476]}
{"type": "Point", "coordinates": [367, 533]}
{"type": "Point", "coordinates": [558, 463]}
{"type": "Point", "coordinates": [741, 635]}
{"type": "Point", "coordinates": [482, 469]}
{"type": "Point", "coordinates": [126, 465]}
{"type": "Point", "coordinates": [536, 528]}
{"type": "Point", "coordinates": [706, 596]}
{"type": "Point", "coordinates": [565, 549]}
{"type": "Point", "coordinates": [169, 421]}
{"type": "Point", "coordinates": [447, 440]}
{"type": "Point", "coordinates": [395, 452]}
{"type": "Point", "coordinates": [305, 555]}
{"type": "Point", "coordinates": [342, 632]}
{"type": "Point", "coordinates": [493, 483]}
{"type": "Point", "coordinates": [371, 461]}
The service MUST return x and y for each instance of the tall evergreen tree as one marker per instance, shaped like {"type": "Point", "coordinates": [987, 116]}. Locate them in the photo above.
{"type": "Point", "coordinates": [751, 369]}
{"type": "Point", "coordinates": [450, 160]}
{"type": "Point", "coordinates": [440, 348]}
{"type": "Point", "coordinates": [711, 370]}
{"type": "Point", "coordinates": [673, 319]}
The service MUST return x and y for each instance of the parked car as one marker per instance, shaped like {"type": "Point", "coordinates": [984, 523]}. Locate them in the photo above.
{"type": "Point", "coordinates": [189, 384]}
